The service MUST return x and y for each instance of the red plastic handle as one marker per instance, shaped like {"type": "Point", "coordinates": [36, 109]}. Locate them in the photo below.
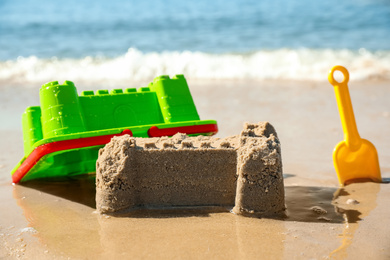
{"type": "Point", "coordinates": [154, 131]}
{"type": "Point", "coordinates": [53, 147]}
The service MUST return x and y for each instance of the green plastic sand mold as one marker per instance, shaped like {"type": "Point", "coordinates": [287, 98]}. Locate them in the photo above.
{"type": "Point", "coordinates": [62, 137]}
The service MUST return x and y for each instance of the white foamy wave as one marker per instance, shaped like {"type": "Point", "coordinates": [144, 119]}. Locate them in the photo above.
{"type": "Point", "coordinates": [285, 64]}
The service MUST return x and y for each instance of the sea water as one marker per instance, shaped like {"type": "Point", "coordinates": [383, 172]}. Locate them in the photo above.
{"type": "Point", "coordinates": [44, 40]}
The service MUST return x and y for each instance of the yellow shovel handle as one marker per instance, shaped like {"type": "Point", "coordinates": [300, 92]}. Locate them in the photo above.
{"type": "Point", "coordinates": [351, 134]}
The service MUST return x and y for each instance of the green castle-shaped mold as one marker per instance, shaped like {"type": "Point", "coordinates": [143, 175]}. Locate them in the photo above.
{"type": "Point", "coordinates": [63, 112]}
{"type": "Point", "coordinates": [65, 115]}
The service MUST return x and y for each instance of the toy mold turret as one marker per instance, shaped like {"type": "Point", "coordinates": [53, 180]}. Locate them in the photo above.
{"type": "Point", "coordinates": [32, 128]}
{"type": "Point", "coordinates": [62, 136]}
{"type": "Point", "coordinates": [60, 108]}
{"type": "Point", "coordinates": [174, 98]}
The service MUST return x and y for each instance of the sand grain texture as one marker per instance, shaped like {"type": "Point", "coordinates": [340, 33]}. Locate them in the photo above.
{"type": "Point", "coordinates": [244, 171]}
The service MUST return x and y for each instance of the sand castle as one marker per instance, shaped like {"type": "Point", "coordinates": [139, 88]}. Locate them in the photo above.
{"type": "Point", "coordinates": [243, 172]}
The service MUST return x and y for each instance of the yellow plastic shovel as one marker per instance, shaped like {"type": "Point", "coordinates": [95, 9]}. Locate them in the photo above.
{"type": "Point", "coordinates": [355, 159]}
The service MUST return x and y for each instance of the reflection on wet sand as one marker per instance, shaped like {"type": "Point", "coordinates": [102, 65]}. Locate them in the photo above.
{"type": "Point", "coordinates": [63, 213]}
{"type": "Point", "coordinates": [346, 199]}
{"type": "Point", "coordinates": [75, 230]}
{"type": "Point", "coordinates": [312, 204]}
{"type": "Point", "coordinates": [219, 235]}
{"type": "Point", "coordinates": [260, 238]}
{"type": "Point", "coordinates": [61, 226]}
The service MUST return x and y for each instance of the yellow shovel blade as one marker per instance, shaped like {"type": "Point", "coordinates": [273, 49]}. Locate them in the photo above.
{"type": "Point", "coordinates": [354, 158]}
{"type": "Point", "coordinates": [360, 164]}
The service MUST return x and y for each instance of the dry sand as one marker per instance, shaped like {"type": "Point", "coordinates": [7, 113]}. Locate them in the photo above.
{"type": "Point", "coordinates": [46, 220]}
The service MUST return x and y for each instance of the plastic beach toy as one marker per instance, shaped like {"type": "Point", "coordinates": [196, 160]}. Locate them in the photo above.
{"type": "Point", "coordinates": [62, 137]}
{"type": "Point", "coordinates": [354, 158]}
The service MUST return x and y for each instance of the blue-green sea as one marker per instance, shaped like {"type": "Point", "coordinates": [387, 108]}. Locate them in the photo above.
{"type": "Point", "coordinates": [42, 40]}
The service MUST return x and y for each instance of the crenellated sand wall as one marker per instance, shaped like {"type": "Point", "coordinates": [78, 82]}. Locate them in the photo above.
{"type": "Point", "coordinates": [243, 171]}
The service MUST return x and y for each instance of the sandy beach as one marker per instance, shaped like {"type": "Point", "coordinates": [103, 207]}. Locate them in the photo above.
{"type": "Point", "coordinates": [57, 220]}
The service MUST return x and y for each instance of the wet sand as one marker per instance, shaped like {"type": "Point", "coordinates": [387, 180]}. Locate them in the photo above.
{"type": "Point", "coordinates": [57, 219]}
